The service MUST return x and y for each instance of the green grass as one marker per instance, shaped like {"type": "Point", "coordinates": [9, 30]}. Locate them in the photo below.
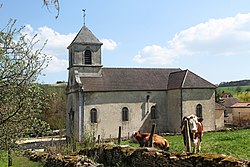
{"type": "Point", "coordinates": [18, 161]}
{"type": "Point", "coordinates": [232, 89]}
{"type": "Point", "coordinates": [232, 143]}
{"type": "Point", "coordinates": [3, 159]}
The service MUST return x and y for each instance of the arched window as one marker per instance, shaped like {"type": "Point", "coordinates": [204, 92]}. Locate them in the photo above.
{"type": "Point", "coordinates": [93, 115]}
{"type": "Point", "coordinates": [71, 120]}
{"type": "Point", "coordinates": [70, 58]}
{"type": "Point", "coordinates": [87, 57]}
{"type": "Point", "coordinates": [124, 114]}
{"type": "Point", "coordinates": [147, 98]}
{"type": "Point", "coordinates": [153, 112]}
{"type": "Point", "coordinates": [199, 110]}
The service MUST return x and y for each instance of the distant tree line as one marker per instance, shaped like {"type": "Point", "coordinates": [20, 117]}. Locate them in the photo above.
{"type": "Point", "coordinates": [235, 83]}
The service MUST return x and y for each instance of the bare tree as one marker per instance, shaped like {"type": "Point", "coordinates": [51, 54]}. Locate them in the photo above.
{"type": "Point", "coordinates": [54, 3]}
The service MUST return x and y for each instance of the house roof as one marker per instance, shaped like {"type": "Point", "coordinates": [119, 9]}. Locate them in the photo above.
{"type": "Point", "coordinates": [241, 105]}
{"type": "Point", "coordinates": [187, 79]}
{"type": "Point", "coordinates": [226, 95]}
{"type": "Point", "coordinates": [85, 36]}
{"type": "Point", "coordinates": [219, 106]}
{"type": "Point", "coordinates": [121, 79]}
{"type": "Point", "coordinates": [228, 102]}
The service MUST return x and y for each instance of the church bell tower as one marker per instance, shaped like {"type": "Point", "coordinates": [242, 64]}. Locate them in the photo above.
{"type": "Point", "coordinates": [85, 54]}
{"type": "Point", "coordinates": [84, 61]}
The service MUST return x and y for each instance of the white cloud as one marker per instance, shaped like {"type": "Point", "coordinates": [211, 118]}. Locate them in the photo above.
{"type": "Point", "coordinates": [154, 54]}
{"type": "Point", "coordinates": [228, 36]}
{"type": "Point", "coordinates": [56, 65]}
{"type": "Point", "coordinates": [108, 44]}
{"type": "Point", "coordinates": [56, 43]}
{"type": "Point", "coordinates": [56, 46]}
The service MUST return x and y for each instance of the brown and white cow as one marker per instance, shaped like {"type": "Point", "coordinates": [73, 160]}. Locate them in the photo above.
{"type": "Point", "coordinates": [158, 141]}
{"type": "Point", "coordinates": [193, 130]}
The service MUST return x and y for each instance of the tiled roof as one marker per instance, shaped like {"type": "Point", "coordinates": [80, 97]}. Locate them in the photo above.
{"type": "Point", "coordinates": [241, 105]}
{"type": "Point", "coordinates": [114, 79]}
{"type": "Point", "coordinates": [126, 79]}
{"type": "Point", "coordinates": [85, 36]}
{"type": "Point", "coordinates": [219, 106]}
{"type": "Point", "coordinates": [226, 95]}
{"type": "Point", "coordinates": [187, 79]}
{"type": "Point", "coordinates": [228, 102]}
{"type": "Point", "coordinates": [176, 79]}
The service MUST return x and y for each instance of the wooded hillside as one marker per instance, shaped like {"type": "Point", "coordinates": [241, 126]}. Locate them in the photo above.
{"type": "Point", "coordinates": [235, 83]}
{"type": "Point", "coordinates": [55, 114]}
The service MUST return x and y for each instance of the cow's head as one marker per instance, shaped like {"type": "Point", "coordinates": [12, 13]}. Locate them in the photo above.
{"type": "Point", "coordinates": [193, 120]}
{"type": "Point", "coordinates": [140, 138]}
{"type": "Point", "coordinates": [137, 134]}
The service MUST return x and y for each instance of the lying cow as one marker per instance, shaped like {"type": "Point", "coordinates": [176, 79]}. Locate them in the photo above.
{"type": "Point", "coordinates": [158, 141]}
{"type": "Point", "coordinates": [195, 130]}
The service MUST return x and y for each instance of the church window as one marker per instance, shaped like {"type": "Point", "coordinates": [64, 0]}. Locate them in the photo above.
{"type": "Point", "coordinates": [87, 57]}
{"type": "Point", "coordinates": [93, 115]}
{"type": "Point", "coordinates": [147, 103]}
{"type": "Point", "coordinates": [71, 120]}
{"type": "Point", "coordinates": [153, 112]}
{"type": "Point", "coordinates": [199, 110]}
{"type": "Point", "coordinates": [70, 58]}
{"type": "Point", "coordinates": [125, 114]}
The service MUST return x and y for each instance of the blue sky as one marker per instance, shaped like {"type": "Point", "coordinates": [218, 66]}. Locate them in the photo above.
{"type": "Point", "coordinates": [211, 38]}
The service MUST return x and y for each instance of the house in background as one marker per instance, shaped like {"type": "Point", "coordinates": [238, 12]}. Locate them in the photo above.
{"type": "Point", "coordinates": [241, 113]}
{"type": "Point", "coordinates": [100, 100]}
{"type": "Point", "coordinates": [219, 116]}
{"type": "Point", "coordinates": [226, 95]}
{"type": "Point", "coordinates": [228, 102]}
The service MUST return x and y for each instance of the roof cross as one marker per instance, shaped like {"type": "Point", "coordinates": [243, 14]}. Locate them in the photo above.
{"type": "Point", "coordinates": [84, 16]}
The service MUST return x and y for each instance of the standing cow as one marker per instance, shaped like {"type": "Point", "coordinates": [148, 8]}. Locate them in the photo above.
{"type": "Point", "coordinates": [158, 141]}
{"type": "Point", "coordinates": [192, 130]}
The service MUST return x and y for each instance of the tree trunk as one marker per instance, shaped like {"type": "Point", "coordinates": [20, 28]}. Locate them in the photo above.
{"type": "Point", "coordinates": [9, 158]}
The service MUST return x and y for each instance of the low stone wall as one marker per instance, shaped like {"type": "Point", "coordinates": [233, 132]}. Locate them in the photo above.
{"type": "Point", "coordinates": [61, 160]}
{"type": "Point", "coordinates": [148, 157]}
{"type": "Point", "coordinates": [113, 155]}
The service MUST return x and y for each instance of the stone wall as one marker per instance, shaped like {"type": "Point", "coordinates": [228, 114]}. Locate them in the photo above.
{"type": "Point", "coordinates": [109, 107]}
{"type": "Point", "coordinates": [205, 97]}
{"type": "Point", "coordinates": [113, 155]}
{"type": "Point", "coordinates": [59, 160]}
{"type": "Point", "coordinates": [128, 156]}
{"type": "Point", "coordinates": [174, 110]}
{"type": "Point", "coordinates": [241, 116]}
{"type": "Point", "coordinates": [219, 119]}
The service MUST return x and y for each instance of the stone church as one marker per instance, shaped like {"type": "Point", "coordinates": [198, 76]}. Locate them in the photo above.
{"type": "Point", "coordinates": [100, 100]}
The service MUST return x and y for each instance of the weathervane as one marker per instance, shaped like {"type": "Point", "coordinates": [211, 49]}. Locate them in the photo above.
{"type": "Point", "coordinates": [84, 16]}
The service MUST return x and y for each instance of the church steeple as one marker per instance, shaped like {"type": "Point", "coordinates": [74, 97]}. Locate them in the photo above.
{"type": "Point", "coordinates": [85, 53]}
{"type": "Point", "coordinates": [85, 36]}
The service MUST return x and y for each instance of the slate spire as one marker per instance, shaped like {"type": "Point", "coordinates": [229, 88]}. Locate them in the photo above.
{"type": "Point", "coordinates": [85, 36]}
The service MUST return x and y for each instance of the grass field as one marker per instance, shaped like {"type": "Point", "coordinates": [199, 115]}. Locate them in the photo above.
{"type": "Point", "coordinates": [233, 143]}
{"type": "Point", "coordinates": [18, 161]}
{"type": "Point", "coordinates": [3, 159]}
{"type": "Point", "coordinates": [232, 89]}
